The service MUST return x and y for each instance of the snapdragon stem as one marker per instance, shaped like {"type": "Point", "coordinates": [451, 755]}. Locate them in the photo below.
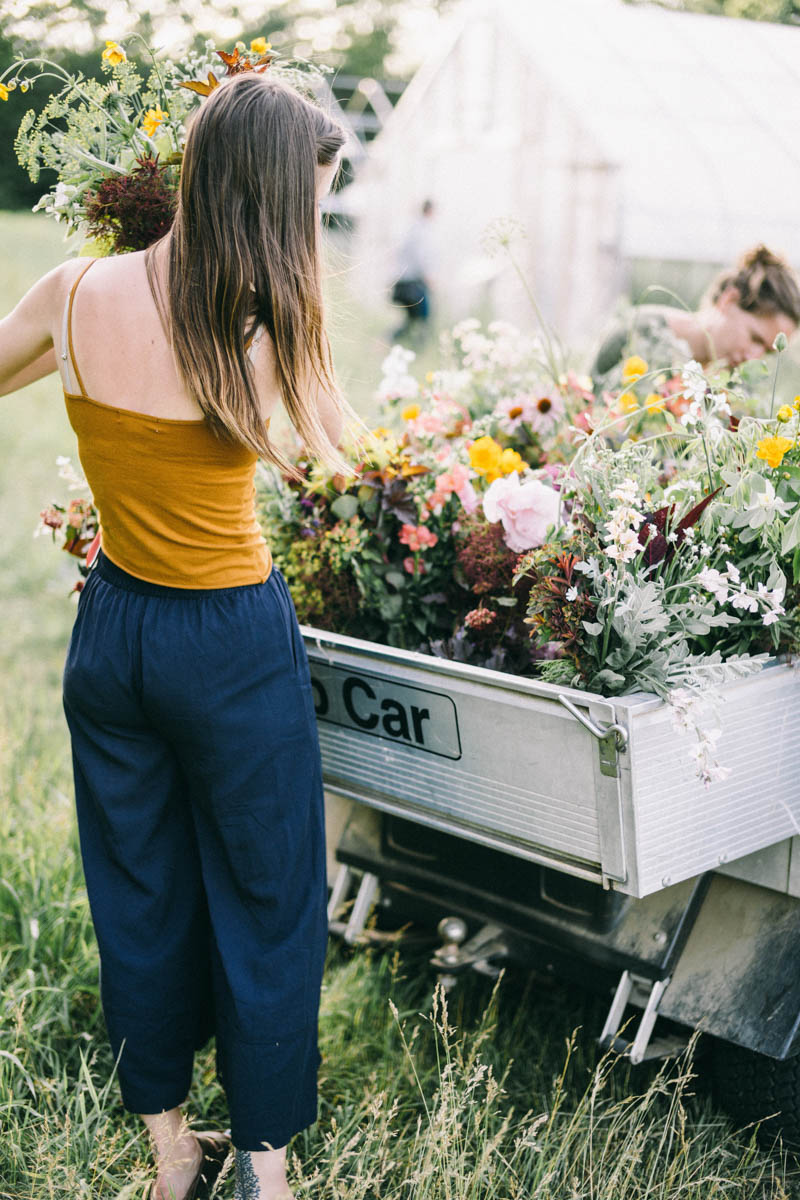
{"type": "Point", "coordinates": [775, 383]}
{"type": "Point", "coordinates": [552, 362]}
{"type": "Point", "coordinates": [155, 66]}
{"type": "Point", "coordinates": [708, 463]}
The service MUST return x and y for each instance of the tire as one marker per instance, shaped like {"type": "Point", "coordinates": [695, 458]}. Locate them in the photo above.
{"type": "Point", "coordinates": [751, 1087]}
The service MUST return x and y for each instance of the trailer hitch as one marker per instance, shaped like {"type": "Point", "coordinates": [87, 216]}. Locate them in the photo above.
{"type": "Point", "coordinates": [481, 952]}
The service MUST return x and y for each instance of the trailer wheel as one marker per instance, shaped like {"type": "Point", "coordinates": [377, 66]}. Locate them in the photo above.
{"type": "Point", "coordinates": [752, 1087]}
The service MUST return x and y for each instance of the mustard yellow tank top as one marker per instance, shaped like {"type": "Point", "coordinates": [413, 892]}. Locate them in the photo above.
{"type": "Point", "coordinates": [176, 504]}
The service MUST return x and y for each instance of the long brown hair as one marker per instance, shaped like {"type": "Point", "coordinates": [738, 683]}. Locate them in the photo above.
{"type": "Point", "coordinates": [766, 283]}
{"type": "Point", "coordinates": [245, 248]}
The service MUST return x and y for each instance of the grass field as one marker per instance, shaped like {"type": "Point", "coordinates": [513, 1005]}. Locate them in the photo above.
{"type": "Point", "coordinates": [499, 1094]}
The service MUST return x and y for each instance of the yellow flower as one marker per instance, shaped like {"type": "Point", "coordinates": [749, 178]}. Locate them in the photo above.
{"type": "Point", "coordinates": [772, 449]}
{"type": "Point", "coordinates": [510, 461]}
{"type": "Point", "coordinates": [485, 456]}
{"type": "Point", "coordinates": [3, 92]}
{"type": "Point", "coordinates": [23, 87]}
{"type": "Point", "coordinates": [260, 46]}
{"type": "Point", "coordinates": [633, 368]}
{"type": "Point", "coordinates": [654, 403]}
{"type": "Point", "coordinates": [785, 412]}
{"type": "Point", "coordinates": [114, 54]}
{"type": "Point", "coordinates": [411, 412]}
{"type": "Point", "coordinates": [796, 404]}
{"type": "Point", "coordinates": [628, 402]}
{"type": "Point", "coordinates": [152, 119]}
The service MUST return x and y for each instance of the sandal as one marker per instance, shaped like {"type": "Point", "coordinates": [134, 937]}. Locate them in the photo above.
{"type": "Point", "coordinates": [215, 1147]}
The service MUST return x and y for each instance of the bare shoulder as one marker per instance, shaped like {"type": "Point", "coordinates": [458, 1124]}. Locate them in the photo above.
{"type": "Point", "coordinates": [45, 296]}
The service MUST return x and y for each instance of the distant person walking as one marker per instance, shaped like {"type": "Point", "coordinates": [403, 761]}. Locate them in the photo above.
{"type": "Point", "coordinates": [416, 265]}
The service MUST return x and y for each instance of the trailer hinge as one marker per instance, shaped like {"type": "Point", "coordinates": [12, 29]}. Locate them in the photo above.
{"type": "Point", "coordinates": [611, 739]}
{"type": "Point", "coordinates": [647, 992]}
{"type": "Point", "coordinates": [351, 930]}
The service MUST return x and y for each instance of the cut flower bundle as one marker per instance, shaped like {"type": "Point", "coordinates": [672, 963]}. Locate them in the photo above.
{"type": "Point", "coordinates": [541, 538]}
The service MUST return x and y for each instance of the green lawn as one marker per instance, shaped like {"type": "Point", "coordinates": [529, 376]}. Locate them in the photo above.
{"type": "Point", "coordinates": [492, 1099]}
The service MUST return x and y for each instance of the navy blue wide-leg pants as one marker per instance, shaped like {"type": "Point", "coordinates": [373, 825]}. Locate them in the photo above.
{"type": "Point", "coordinates": [200, 811]}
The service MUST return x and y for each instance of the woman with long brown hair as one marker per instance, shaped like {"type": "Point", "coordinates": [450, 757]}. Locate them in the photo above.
{"type": "Point", "coordinates": [741, 313]}
{"type": "Point", "coordinates": [186, 687]}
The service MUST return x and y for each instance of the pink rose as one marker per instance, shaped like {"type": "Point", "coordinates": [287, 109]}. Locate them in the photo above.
{"type": "Point", "coordinates": [525, 509]}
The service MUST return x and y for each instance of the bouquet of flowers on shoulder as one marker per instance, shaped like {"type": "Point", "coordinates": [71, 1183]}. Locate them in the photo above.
{"type": "Point", "coordinates": [116, 145]}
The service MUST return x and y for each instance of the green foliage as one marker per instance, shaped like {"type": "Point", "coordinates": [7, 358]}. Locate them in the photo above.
{"type": "Point", "coordinates": [783, 11]}
{"type": "Point", "coordinates": [17, 190]}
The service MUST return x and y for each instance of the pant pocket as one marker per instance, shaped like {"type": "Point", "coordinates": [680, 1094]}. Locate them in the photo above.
{"type": "Point", "coordinates": [293, 634]}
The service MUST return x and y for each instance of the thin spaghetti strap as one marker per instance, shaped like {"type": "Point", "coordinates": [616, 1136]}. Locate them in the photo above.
{"type": "Point", "coordinates": [70, 302]}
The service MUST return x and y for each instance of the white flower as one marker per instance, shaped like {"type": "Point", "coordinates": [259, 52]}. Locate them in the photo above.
{"type": "Point", "coordinates": [67, 471]}
{"type": "Point", "coordinates": [572, 594]}
{"type": "Point", "coordinates": [694, 382]}
{"type": "Point", "coordinates": [448, 382]}
{"type": "Point", "coordinates": [714, 582]}
{"type": "Point", "coordinates": [744, 600]}
{"type": "Point", "coordinates": [769, 502]}
{"type": "Point", "coordinates": [396, 381]}
{"type": "Point", "coordinates": [468, 325]}
{"type": "Point", "coordinates": [626, 491]}
{"type": "Point", "coordinates": [626, 547]}
{"type": "Point", "coordinates": [732, 572]}
{"type": "Point", "coordinates": [692, 415]}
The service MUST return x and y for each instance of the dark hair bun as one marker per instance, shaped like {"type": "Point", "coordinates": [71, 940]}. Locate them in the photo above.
{"type": "Point", "coordinates": [765, 283]}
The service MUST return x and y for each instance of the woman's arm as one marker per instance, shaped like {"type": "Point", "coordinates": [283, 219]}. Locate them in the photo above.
{"type": "Point", "coordinates": [26, 334]}
{"type": "Point", "coordinates": [330, 416]}
{"type": "Point", "coordinates": [45, 364]}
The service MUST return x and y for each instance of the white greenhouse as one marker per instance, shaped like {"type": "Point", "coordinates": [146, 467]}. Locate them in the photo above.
{"type": "Point", "coordinates": [633, 143]}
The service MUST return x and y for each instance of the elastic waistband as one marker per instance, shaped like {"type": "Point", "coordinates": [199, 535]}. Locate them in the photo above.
{"type": "Point", "coordinates": [115, 575]}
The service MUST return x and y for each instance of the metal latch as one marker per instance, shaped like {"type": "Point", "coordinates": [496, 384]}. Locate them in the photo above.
{"type": "Point", "coordinates": [612, 739]}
